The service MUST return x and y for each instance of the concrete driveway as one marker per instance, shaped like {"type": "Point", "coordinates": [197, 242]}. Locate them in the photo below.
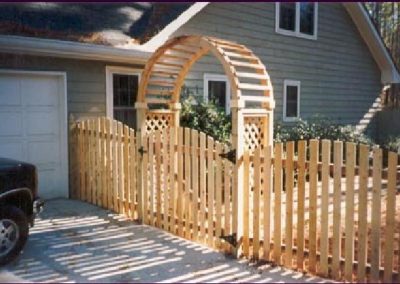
{"type": "Point", "coordinates": [77, 242]}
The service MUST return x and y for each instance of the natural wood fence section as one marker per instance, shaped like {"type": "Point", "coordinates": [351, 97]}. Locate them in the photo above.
{"type": "Point", "coordinates": [316, 218]}
{"type": "Point", "coordinates": [104, 165]}
{"type": "Point", "coordinates": [331, 209]}
{"type": "Point", "coordinates": [187, 185]}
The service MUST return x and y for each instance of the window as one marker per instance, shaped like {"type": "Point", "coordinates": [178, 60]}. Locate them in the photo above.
{"type": "Point", "coordinates": [217, 90]}
{"type": "Point", "coordinates": [297, 19]}
{"type": "Point", "coordinates": [291, 100]}
{"type": "Point", "coordinates": [122, 88]}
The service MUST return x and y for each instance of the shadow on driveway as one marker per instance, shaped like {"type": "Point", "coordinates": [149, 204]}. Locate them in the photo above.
{"type": "Point", "coordinates": [76, 242]}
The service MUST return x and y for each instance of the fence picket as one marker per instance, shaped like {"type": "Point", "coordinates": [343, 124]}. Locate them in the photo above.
{"type": "Point", "coordinates": [337, 191]}
{"type": "Point", "coordinates": [227, 200]}
{"type": "Point", "coordinates": [115, 165]}
{"type": "Point", "coordinates": [326, 156]}
{"type": "Point", "coordinates": [195, 182]}
{"type": "Point", "coordinates": [314, 146]}
{"type": "Point", "coordinates": [202, 184]}
{"type": "Point", "coordinates": [172, 206]}
{"type": "Point", "coordinates": [218, 194]}
{"type": "Point", "coordinates": [180, 184]}
{"type": "Point", "coordinates": [158, 177]}
{"type": "Point", "coordinates": [165, 186]}
{"type": "Point", "coordinates": [349, 221]}
{"type": "Point", "coordinates": [267, 191]}
{"type": "Point", "coordinates": [132, 149]}
{"type": "Point", "coordinates": [126, 169]}
{"type": "Point", "coordinates": [390, 218]}
{"type": "Point", "coordinates": [300, 203]}
{"type": "Point", "coordinates": [187, 183]}
{"type": "Point", "coordinates": [121, 184]}
{"type": "Point", "coordinates": [289, 183]}
{"type": "Point", "coordinates": [246, 197]}
{"type": "Point", "coordinates": [256, 202]}
{"type": "Point", "coordinates": [376, 214]}
{"type": "Point", "coordinates": [277, 202]}
{"type": "Point", "coordinates": [148, 204]}
{"type": "Point", "coordinates": [210, 192]}
{"type": "Point", "coordinates": [362, 212]}
{"type": "Point", "coordinates": [108, 164]}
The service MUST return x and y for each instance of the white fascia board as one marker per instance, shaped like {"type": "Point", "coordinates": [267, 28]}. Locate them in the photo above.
{"type": "Point", "coordinates": [69, 49]}
{"type": "Point", "coordinates": [360, 17]}
{"type": "Point", "coordinates": [172, 27]}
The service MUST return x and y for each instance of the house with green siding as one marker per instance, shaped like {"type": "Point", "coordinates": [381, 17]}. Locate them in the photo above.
{"type": "Point", "coordinates": [63, 61]}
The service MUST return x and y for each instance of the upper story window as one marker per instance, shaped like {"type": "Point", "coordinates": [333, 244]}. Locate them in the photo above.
{"type": "Point", "coordinates": [297, 19]}
{"type": "Point", "coordinates": [217, 90]}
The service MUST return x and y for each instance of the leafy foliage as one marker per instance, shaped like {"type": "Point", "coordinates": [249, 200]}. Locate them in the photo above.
{"type": "Point", "coordinates": [318, 128]}
{"type": "Point", "coordinates": [206, 117]}
{"type": "Point", "coordinates": [392, 144]}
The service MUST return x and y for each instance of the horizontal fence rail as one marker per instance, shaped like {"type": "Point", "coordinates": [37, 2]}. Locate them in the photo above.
{"type": "Point", "coordinates": [328, 208]}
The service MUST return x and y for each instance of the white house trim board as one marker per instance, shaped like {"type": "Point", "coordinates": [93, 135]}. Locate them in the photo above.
{"type": "Point", "coordinates": [218, 77]}
{"type": "Point", "coordinates": [172, 27]}
{"type": "Point", "coordinates": [69, 49]}
{"type": "Point", "coordinates": [110, 71]}
{"type": "Point", "coordinates": [297, 32]}
{"type": "Point", "coordinates": [297, 84]}
{"type": "Point", "coordinates": [63, 122]}
{"type": "Point", "coordinates": [389, 73]}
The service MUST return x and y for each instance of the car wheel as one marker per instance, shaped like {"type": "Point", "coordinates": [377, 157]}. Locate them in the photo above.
{"type": "Point", "coordinates": [14, 229]}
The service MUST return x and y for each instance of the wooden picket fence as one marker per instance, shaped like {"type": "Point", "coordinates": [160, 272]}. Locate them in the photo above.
{"type": "Point", "coordinates": [327, 208]}
{"type": "Point", "coordinates": [317, 208]}
{"type": "Point", "coordinates": [104, 165]}
{"type": "Point", "coordinates": [187, 185]}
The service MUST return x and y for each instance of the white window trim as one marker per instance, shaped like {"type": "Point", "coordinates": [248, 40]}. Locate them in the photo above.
{"type": "Point", "coordinates": [110, 71]}
{"type": "Point", "coordinates": [218, 77]}
{"type": "Point", "coordinates": [297, 32]}
{"type": "Point", "coordinates": [297, 84]}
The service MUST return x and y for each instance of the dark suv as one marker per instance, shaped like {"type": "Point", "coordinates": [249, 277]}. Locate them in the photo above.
{"type": "Point", "coordinates": [19, 203]}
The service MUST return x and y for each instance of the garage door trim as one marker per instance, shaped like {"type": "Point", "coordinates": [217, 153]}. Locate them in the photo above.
{"type": "Point", "coordinates": [62, 92]}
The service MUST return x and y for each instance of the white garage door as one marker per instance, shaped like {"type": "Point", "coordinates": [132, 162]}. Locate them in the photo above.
{"type": "Point", "coordinates": [33, 126]}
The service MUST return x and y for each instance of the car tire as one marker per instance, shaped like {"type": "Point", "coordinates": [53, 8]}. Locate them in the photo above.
{"type": "Point", "coordinates": [14, 230]}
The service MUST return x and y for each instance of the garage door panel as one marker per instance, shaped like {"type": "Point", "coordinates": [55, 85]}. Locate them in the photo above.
{"type": "Point", "coordinates": [36, 152]}
{"type": "Point", "coordinates": [12, 150]}
{"type": "Point", "coordinates": [47, 183]}
{"type": "Point", "coordinates": [11, 124]}
{"type": "Point", "coordinates": [9, 91]}
{"type": "Point", "coordinates": [32, 126]}
{"type": "Point", "coordinates": [43, 123]}
{"type": "Point", "coordinates": [40, 91]}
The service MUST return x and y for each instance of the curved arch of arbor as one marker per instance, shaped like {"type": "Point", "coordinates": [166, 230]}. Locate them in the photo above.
{"type": "Point", "coordinates": [165, 72]}
{"type": "Point", "coordinates": [252, 101]}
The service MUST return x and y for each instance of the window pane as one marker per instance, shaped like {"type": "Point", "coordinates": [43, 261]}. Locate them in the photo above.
{"type": "Point", "coordinates": [217, 93]}
{"type": "Point", "coordinates": [287, 16]}
{"type": "Point", "coordinates": [291, 101]}
{"type": "Point", "coordinates": [307, 18]}
{"type": "Point", "coordinates": [125, 88]}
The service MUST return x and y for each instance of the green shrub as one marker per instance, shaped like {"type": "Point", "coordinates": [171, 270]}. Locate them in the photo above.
{"type": "Point", "coordinates": [392, 144]}
{"type": "Point", "coordinates": [206, 117]}
{"type": "Point", "coordinates": [318, 128]}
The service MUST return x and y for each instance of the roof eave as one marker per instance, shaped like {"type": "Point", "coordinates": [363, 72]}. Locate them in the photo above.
{"type": "Point", "coordinates": [68, 49]}
{"type": "Point", "coordinates": [389, 72]}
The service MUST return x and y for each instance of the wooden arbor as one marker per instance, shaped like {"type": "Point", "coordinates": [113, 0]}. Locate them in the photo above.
{"type": "Point", "coordinates": [252, 100]}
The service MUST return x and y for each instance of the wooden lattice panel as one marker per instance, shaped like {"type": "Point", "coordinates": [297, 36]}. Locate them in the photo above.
{"type": "Point", "coordinates": [254, 132]}
{"type": "Point", "coordinates": [158, 121]}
